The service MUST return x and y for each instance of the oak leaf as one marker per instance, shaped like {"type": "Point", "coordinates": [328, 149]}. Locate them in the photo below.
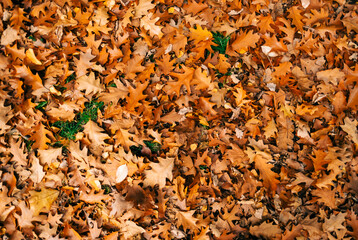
{"type": "Point", "coordinates": [207, 107]}
{"type": "Point", "coordinates": [70, 233]}
{"type": "Point", "coordinates": [95, 133]}
{"type": "Point", "coordinates": [202, 80]}
{"type": "Point", "coordinates": [351, 23]}
{"type": "Point", "coordinates": [149, 24]}
{"type": "Point", "coordinates": [172, 117]}
{"type": "Point", "coordinates": [32, 57]}
{"type": "Point", "coordinates": [223, 64]}
{"type": "Point", "coordinates": [101, 16]}
{"type": "Point", "coordinates": [187, 220]}
{"type": "Point", "coordinates": [159, 172]}
{"type": "Point", "coordinates": [265, 24]}
{"type": "Point", "coordinates": [353, 222]}
{"type": "Point", "coordinates": [326, 196]}
{"type": "Point", "coordinates": [270, 129]}
{"type": "Point", "coordinates": [236, 156]}
{"type": "Point", "coordinates": [18, 17]}
{"type": "Point", "coordinates": [41, 137]}
{"type": "Point", "coordinates": [261, 159]}
{"type": "Point", "coordinates": [199, 34]}
{"type": "Point", "coordinates": [9, 36]}
{"type": "Point", "coordinates": [63, 112]}
{"type": "Point", "coordinates": [339, 102]}
{"type": "Point", "coordinates": [114, 93]}
{"type": "Point", "coordinates": [134, 66]}
{"type": "Point", "coordinates": [350, 127]}
{"type": "Point", "coordinates": [267, 230]}
{"type": "Point", "coordinates": [26, 217]}
{"type": "Point", "coordinates": [335, 224]}
{"type": "Point", "coordinates": [84, 62]}
{"type": "Point", "coordinates": [295, 15]}
{"type": "Point", "coordinates": [5, 200]}
{"type": "Point", "coordinates": [17, 149]}
{"type": "Point", "coordinates": [136, 95]}
{"type": "Point", "coordinates": [130, 230]}
{"type": "Point", "coordinates": [89, 84]}
{"type": "Point", "coordinates": [124, 138]}
{"type": "Point", "coordinates": [179, 43]}
{"type": "Point", "coordinates": [5, 116]}
{"type": "Point", "coordinates": [353, 98]}
{"type": "Point", "coordinates": [49, 155]}
{"type": "Point", "coordinates": [93, 197]}
{"type": "Point", "coordinates": [184, 78]}
{"type": "Point", "coordinates": [317, 16]}
{"type": "Point", "coordinates": [32, 80]}
{"type": "Point", "coordinates": [43, 200]}
{"type": "Point", "coordinates": [143, 7]}
{"type": "Point", "coordinates": [37, 170]}
{"type": "Point", "coordinates": [244, 40]}
{"type": "Point", "coordinates": [331, 76]}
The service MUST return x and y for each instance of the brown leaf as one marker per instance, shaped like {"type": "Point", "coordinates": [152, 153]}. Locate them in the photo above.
{"type": "Point", "coordinates": [267, 230]}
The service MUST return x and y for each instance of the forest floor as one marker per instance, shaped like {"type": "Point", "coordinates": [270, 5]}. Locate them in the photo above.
{"type": "Point", "coordinates": [178, 119]}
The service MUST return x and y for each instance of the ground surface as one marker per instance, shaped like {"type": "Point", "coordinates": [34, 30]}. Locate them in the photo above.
{"type": "Point", "coordinates": [178, 119]}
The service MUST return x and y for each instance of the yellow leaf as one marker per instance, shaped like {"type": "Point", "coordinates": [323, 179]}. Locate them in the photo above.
{"type": "Point", "coordinates": [193, 146]}
{"type": "Point", "coordinates": [203, 121]}
{"type": "Point", "coordinates": [31, 55]}
{"type": "Point", "coordinates": [42, 201]}
{"type": "Point", "coordinates": [171, 10]}
{"type": "Point", "coordinates": [200, 34]}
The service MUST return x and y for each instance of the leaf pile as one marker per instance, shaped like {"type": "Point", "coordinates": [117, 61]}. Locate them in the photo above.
{"type": "Point", "coordinates": [178, 119]}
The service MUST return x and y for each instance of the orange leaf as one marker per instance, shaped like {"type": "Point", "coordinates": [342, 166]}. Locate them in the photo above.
{"type": "Point", "coordinates": [84, 62]}
{"type": "Point", "coordinates": [134, 66]}
{"type": "Point", "coordinates": [40, 136]}
{"type": "Point", "coordinates": [187, 220]}
{"type": "Point", "coordinates": [295, 15]}
{"type": "Point", "coordinates": [353, 98]}
{"type": "Point", "coordinates": [245, 40]}
{"type": "Point", "coordinates": [136, 95]}
{"type": "Point", "coordinates": [70, 233]}
{"type": "Point", "coordinates": [95, 133]}
{"type": "Point", "coordinates": [261, 160]}
{"type": "Point", "coordinates": [90, 84]}
{"type": "Point", "coordinates": [183, 79]}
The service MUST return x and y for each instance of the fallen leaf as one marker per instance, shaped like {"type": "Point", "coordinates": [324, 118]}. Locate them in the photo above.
{"type": "Point", "coordinates": [43, 200]}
